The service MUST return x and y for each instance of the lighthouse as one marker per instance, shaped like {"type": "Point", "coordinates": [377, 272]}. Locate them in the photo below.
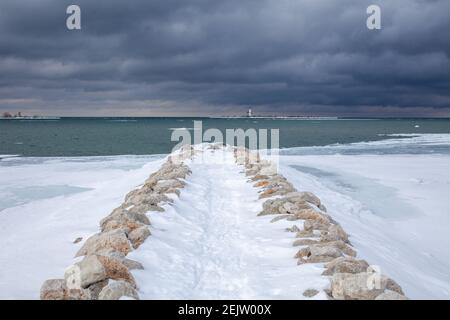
{"type": "Point", "coordinates": [249, 113]}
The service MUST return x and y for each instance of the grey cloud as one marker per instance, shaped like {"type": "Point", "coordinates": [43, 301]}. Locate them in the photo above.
{"type": "Point", "coordinates": [215, 57]}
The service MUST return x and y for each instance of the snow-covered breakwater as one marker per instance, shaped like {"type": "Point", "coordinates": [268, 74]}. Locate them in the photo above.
{"type": "Point", "coordinates": [321, 239]}
{"type": "Point", "coordinates": [104, 273]}
{"type": "Point", "coordinates": [232, 240]}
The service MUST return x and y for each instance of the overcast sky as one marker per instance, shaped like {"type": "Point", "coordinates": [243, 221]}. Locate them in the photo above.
{"type": "Point", "coordinates": [210, 57]}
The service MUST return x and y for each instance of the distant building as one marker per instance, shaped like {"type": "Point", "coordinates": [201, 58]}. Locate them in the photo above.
{"type": "Point", "coordinates": [249, 113]}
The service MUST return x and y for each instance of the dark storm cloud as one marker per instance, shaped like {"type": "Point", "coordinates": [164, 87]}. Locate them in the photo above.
{"type": "Point", "coordinates": [204, 56]}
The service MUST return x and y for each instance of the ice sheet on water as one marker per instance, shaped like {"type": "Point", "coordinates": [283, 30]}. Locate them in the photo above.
{"type": "Point", "coordinates": [393, 144]}
{"type": "Point", "coordinates": [125, 162]}
{"type": "Point", "coordinates": [393, 206]}
{"type": "Point", "coordinates": [37, 235]}
{"type": "Point", "coordinates": [367, 191]}
{"type": "Point", "coordinates": [14, 196]}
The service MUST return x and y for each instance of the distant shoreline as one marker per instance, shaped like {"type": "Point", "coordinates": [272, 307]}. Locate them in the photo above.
{"type": "Point", "coordinates": [220, 117]}
{"type": "Point", "coordinates": [30, 118]}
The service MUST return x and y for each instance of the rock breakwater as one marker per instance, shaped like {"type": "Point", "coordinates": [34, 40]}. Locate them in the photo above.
{"type": "Point", "coordinates": [104, 271]}
{"type": "Point", "coordinates": [320, 238]}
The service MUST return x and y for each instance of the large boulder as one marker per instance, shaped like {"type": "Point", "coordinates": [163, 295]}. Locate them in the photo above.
{"type": "Point", "coordinates": [53, 289]}
{"type": "Point", "coordinates": [309, 214]}
{"type": "Point", "coordinates": [116, 270]}
{"type": "Point", "coordinates": [310, 225]}
{"type": "Point", "coordinates": [394, 286]}
{"type": "Point", "coordinates": [304, 196]}
{"type": "Point", "coordinates": [335, 233]}
{"type": "Point", "coordinates": [329, 251]}
{"type": "Point", "coordinates": [358, 286]}
{"type": "Point", "coordinates": [291, 208]}
{"type": "Point", "coordinates": [116, 290]}
{"type": "Point", "coordinates": [279, 189]}
{"type": "Point", "coordinates": [307, 234]}
{"type": "Point", "coordinates": [143, 208]}
{"type": "Point", "coordinates": [341, 245]}
{"type": "Point", "coordinates": [259, 177]}
{"type": "Point", "coordinates": [145, 196]}
{"type": "Point", "coordinates": [84, 273]}
{"type": "Point", "coordinates": [390, 295]}
{"type": "Point", "coordinates": [167, 172]}
{"type": "Point", "coordinates": [304, 242]}
{"type": "Point", "coordinates": [132, 264]}
{"type": "Point", "coordinates": [168, 186]}
{"type": "Point", "coordinates": [96, 288]}
{"type": "Point", "coordinates": [56, 289]}
{"type": "Point", "coordinates": [278, 184]}
{"type": "Point", "coordinates": [126, 225]}
{"type": "Point", "coordinates": [123, 219]}
{"type": "Point", "coordinates": [138, 236]}
{"type": "Point", "coordinates": [272, 206]}
{"type": "Point", "coordinates": [345, 265]}
{"type": "Point", "coordinates": [115, 240]}
{"type": "Point", "coordinates": [95, 268]}
{"type": "Point", "coordinates": [317, 254]}
{"type": "Point", "coordinates": [261, 184]}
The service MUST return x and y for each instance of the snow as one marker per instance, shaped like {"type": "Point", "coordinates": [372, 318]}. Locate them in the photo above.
{"type": "Point", "coordinates": [210, 243]}
{"type": "Point", "coordinates": [391, 197]}
{"type": "Point", "coordinates": [37, 230]}
{"type": "Point", "coordinates": [394, 206]}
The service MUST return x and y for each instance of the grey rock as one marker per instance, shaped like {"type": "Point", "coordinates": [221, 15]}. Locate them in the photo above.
{"type": "Point", "coordinates": [334, 233]}
{"type": "Point", "coordinates": [305, 196]}
{"type": "Point", "coordinates": [310, 293]}
{"type": "Point", "coordinates": [138, 236]}
{"type": "Point", "coordinates": [168, 186]}
{"type": "Point", "coordinates": [56, 289]}
{"type": "Point", "coordinates": [118, 289]}
{"type": "Point", "coordinates": [132, 264]}
{"type": "Point", "coordinates": [341, 245]}
{"type": "Point", "coordinates": [358, 286]}
{"type": "Point", "coordinates": [126, 219]}
{"type": "Point", "coordinates": [96, 288]}
{"type": "Point", "coordinates": [53, 289]}
{"type": "Point", "coordinates": [390, 295]}
{"type": "Point", "coordinates": [304, 242]}
{"type": "Point", "coordinates": [310, 225]}
{"type": "Point", "coordinates": [84, 273]}
{"type": "Point", "coordinates": [345, 265]}
{"type": "Point", "coordinates": [394, 286]}
{"type": "Point", "coordinates": [294, 228]}
{"type": "Point", "coordinates": [115, 240]}
{"type": "Point", "coordinates": [79, 239]}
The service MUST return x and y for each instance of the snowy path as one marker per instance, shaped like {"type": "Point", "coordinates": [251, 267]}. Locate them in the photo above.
{"type": "Point", "coordinates": [210, 244]}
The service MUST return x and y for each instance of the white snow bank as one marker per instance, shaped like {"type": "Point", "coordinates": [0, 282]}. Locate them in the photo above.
{"type": "Point", "coordinates": [38, 228]}
{"type": "Point", "coordinates": [210, 244]}
{"type": "Point", "coordinates": [395, 207]}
